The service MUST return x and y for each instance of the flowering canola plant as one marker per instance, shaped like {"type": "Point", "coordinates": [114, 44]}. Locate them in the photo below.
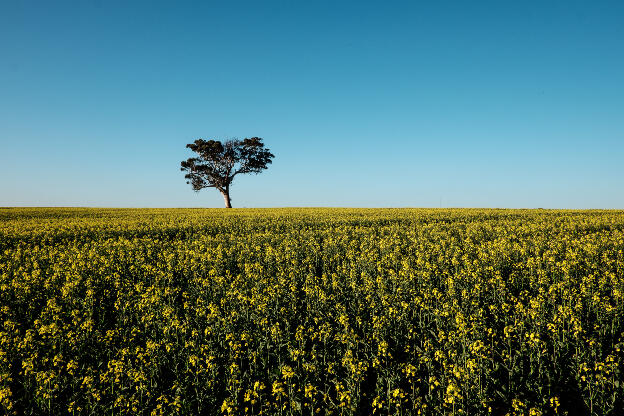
{"type": "Point", "coordinates": [311, 312]}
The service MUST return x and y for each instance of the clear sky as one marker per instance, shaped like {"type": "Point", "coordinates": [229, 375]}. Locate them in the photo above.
{"type": "Point", "coordinates": [373, 104]}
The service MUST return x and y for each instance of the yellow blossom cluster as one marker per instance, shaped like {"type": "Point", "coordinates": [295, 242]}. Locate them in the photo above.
{"type": "Point", "coordinates": [311, 312]}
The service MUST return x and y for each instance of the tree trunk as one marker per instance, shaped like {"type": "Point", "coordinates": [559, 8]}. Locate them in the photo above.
{"type": "Point", "coordinates": [226, 198]}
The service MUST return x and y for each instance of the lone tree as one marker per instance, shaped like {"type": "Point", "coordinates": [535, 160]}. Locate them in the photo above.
{"type": "Point", "coordinates": [218, 163]}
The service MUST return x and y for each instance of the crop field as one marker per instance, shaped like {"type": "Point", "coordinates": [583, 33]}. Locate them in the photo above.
{"type": "Point", "coordinates": [311, 312]}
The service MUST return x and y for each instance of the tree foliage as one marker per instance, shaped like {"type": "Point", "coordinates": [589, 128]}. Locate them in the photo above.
{"type": "Point", "coordinates": [217, 163]}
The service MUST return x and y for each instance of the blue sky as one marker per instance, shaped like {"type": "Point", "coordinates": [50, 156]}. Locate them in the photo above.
{"type": "Point", "coordinates": [453, 104]}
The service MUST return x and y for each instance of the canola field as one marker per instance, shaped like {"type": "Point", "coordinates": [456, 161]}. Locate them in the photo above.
{"type": "Point", "coordinates": [311, 312]}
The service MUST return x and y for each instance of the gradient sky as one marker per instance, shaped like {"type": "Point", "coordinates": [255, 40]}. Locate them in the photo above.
{"type": "Point", "coordinates": [452, 104]}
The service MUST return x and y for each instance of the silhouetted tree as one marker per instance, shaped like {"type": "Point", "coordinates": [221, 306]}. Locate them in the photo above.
{"type": "Point", "coordinates": [218, 163]}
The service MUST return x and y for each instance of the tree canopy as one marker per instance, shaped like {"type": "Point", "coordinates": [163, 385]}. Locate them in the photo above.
{"type": "Point", "coordinates": [217, 163]}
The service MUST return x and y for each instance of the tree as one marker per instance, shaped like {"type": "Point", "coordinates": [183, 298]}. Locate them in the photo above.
{"type": "Point", "coordinates": [218, 163]}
